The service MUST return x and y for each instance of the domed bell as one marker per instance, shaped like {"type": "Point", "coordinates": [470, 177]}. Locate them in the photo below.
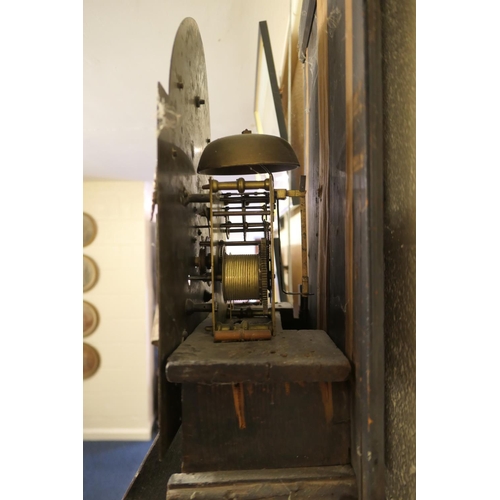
{"type": "Point", "coordinates": [247, 154]}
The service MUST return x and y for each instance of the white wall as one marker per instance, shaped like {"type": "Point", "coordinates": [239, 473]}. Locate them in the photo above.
{"type": "Point", "coordinates": [118, 398]}
{"type": "Point", "coordinates": [127, 48]}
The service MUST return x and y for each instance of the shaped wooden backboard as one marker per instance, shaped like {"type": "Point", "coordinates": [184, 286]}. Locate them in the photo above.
{"type": "Point", "coordinates": [183, 132]}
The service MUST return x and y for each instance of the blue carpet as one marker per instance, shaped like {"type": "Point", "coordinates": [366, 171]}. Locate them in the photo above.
{"type": "Point", "coordinates": [110, 466]}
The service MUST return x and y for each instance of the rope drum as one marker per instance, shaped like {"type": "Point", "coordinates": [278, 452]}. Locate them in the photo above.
{"type": "Point", "coordinates": [240, 277]}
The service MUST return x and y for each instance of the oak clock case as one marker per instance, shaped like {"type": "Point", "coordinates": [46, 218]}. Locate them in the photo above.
{"type": "Point", "coordinates": [228, 369]}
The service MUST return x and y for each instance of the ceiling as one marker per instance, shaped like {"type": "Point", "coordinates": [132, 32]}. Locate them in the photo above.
{"type": "Point", "coordinates": [127, 46]}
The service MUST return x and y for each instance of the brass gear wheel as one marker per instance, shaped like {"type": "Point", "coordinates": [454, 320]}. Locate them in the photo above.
{"type": "Point", "coordinates": [264, 273]}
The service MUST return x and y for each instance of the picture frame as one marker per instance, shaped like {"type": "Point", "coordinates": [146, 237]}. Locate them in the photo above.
{"type": "Point", "coordinates": [89, 229]}
{"type": "Point", "coordinates": [90, 273]}
{"type": "Point", "coordinates": [268, 107]}
{"type": "Point", "coordinates": [90, 318]}
{"type": "Point", "coordinates": [91, 360]}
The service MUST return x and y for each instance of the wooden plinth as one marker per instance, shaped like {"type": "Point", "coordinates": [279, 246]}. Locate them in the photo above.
{"type": "Point", "coordinates": [290, 356]}
{"type": "Point", "coordinates": [253, 426]}
{"type": "Point", "coordinates": [271, 404]}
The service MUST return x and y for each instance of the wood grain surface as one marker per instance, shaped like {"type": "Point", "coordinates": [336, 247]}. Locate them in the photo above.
{"type": "Point", "coordinates": [332, 483]}
{"type": "Point", "coordinates": [254, 426]}
{"type": "Point", "coordinates": [290, 356]}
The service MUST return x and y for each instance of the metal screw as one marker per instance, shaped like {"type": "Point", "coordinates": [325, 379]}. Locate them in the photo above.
{"type": "Point", "coordinates": [180, 85]}
{"type": "Point", "coordinates": [198, 101]}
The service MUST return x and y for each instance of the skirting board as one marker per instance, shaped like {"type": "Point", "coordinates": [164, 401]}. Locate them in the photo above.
{"type": "Point", "coordinates": [135, 434]}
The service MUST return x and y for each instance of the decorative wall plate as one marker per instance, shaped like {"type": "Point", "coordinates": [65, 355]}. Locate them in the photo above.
{"type": "Point", "coordinates": [91, 360]}
{"type": "Point", "coordinates": [90, 273]}
{"type": "Point", "coordinates": [90, 318]}
{"type": "Point", "coordinates": [89, 229]}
